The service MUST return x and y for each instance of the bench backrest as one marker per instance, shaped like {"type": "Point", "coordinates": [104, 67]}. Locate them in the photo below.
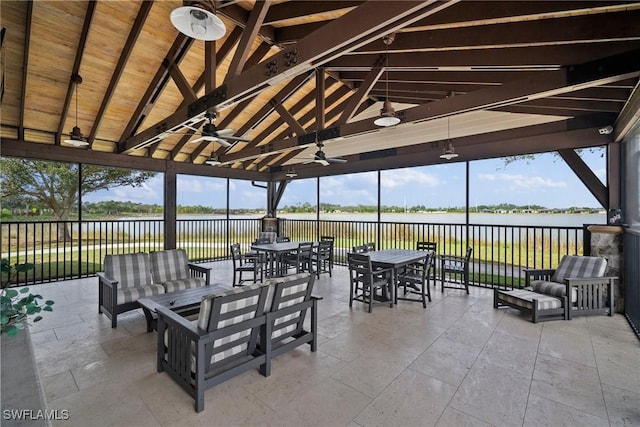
{"type": "Point", "coordinates": [229, 308]}
{"type": "Point", "coordinates": [171, 264]}
{"type": "Point", "coordinates": [579, 266]}
{"type": "Point", "coordinates": [130, 270]}
{"type": "Point", "coordinates": [286, 292]}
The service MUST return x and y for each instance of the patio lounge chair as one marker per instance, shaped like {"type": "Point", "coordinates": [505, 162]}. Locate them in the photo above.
{"type": "Point", "coordinates": [577, 287]}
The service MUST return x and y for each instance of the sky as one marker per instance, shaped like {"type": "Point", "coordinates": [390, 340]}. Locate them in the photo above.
{"type": "Point", "coordinates": [545, 181]}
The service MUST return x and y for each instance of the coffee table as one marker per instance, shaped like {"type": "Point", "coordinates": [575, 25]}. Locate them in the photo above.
{"type": "Point", "coordinates": [185, 302]}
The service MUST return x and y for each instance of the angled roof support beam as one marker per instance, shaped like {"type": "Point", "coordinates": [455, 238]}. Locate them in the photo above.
{"type": "Point", "coordinates": [369, 81]}
{"type": "Point", "coordinates": [181, 82]}
{"type": "Point", "coordinates": [143, 13]}
{"type": "Point", "coordinates": [176, 52]}
{"type": "Point", "coordinates": [629, 116]}
{"type": "Point", "coordinates": [367, 22]}
{"type": "Point", "coordinates": [288, 118]}
{"type": "Point", "coordinates": [240, 16]}
{"type": "Point", "coordinates": [25, 68]}
{"type": "Point", "coordinates": [91, 6]}
{"type": "Point", "coordinates": [256, 17]}
{"type": "Point", "coordinates": [586, 175]}
{"type": "Point", "coordinates": [279, 193]}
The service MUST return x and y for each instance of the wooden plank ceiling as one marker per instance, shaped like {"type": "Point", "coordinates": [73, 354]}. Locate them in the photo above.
{"type": "Point", "coordinates": [493, 77]}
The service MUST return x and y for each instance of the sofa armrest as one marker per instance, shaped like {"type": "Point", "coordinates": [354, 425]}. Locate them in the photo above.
{"type": "Point", "coordinates": [537, 274]}
{"type": "Point", "coordinates": [200, 271]}
{"type": "Point", "coordinates": [590, 295]}
{"type": "Point", "coordinates": [106, 280]}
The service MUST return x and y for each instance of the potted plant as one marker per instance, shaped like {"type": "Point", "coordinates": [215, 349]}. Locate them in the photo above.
{"type": "Point", "coordinates": [17, 305]}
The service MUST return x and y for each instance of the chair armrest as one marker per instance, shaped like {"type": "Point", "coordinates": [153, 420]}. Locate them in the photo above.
{"type": "Point", "coordinates": [201, 271]}
{"type": "Point", "coordinates": [316, 297]}
{"type": "Point", "coordinates": [107, 281]}
{"type": "Point", "coordinates": [537, 274]}
{"type": "Point", "coordinates": [176, 321]}
{"type": "Point", "coordinates": [589, 280]}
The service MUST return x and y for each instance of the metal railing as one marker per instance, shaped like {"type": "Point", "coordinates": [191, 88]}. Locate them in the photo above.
{"type": "Point", "coordinates": [72, 249]}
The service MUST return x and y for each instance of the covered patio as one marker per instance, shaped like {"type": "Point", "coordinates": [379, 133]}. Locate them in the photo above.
{"type": "Point", "coordinates": [459, 362]}
{"type": "Point", "coordinates": [296, 90]}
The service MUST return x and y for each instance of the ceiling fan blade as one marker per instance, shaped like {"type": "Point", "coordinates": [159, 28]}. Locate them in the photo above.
{"type": "Point", "coordinates": [234, 138]}
{"type": "Point", "coordinates": [203, 138]}
{"type": "Point", "coordinates": [336, 160]}
{"type": "Point", "coordinates": [227, 131]}
{"type": "Point", "coordinates": [323, 162]}
{"type": "Point", "coordinates": [193, 129]}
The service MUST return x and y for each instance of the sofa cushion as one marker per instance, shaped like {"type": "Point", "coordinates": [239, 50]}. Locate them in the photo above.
{"type": "Point", "coordinates": [579, 266]}
{"type": "Point", "coordinates": [524, 298]}
{"type": "Point", "coordinates": [169, 265]}
{"type": "Point", "coordinates": [134, 293]}
{"type": "Point", "coordinates": [181, 284]}
{"type": "Point", "coordinates": [130, 270]}
{"type": "Point", "coordinates": [550, 288]}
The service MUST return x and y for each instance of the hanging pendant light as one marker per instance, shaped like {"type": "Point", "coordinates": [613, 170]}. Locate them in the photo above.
{"type": "Point", "coordinates": [448, 152]}
{"type": "Point", "coordinates": [199, 21]}
{"type": "Point", "coordinates": [387, 113]}
{"type": "Point", "coordinates": [76, 139]}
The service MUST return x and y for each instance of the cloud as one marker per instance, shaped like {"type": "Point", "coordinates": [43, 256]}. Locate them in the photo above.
{"type": "Point", "coordinates": [517, 182]}
{"type": "Point", "coordinates": [400, 177]}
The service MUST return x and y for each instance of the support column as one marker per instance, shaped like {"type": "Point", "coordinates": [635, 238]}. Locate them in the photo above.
{"type": "Point", "coordinates": [170, 206]}
{"type": "Point", "coordinates": [607, 242]}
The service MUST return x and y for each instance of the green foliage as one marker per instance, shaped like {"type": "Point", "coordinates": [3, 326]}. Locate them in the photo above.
{"type": "Point", "coordinates": [17, 306]}
{"type": "Point", "coordinates": [54, 185]}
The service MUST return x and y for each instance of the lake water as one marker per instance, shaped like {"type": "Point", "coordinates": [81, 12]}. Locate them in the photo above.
{"type": "Point", "coordinates": [545, 220]}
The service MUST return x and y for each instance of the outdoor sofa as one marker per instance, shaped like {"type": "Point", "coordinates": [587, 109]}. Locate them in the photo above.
{"type": "Point", "coordinates": [577, 287]}
{"type": "Point", "coordinates": [129, 277]}
{"type": "Point", "coordinates": [236, 330]}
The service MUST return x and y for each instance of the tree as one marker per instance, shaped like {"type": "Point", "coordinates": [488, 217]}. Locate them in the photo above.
{"type": "Point", "coordinates": [55, 185]}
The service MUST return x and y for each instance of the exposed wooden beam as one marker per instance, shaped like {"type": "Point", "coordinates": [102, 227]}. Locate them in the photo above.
{"type": "Point", "coordinates": [288, 118]}
{"type": "Point", "coordinates": [321, 104]}
{"type": "Point", "coordinates": [56, 153]}
{"type": "Point", "coordinates": [469, 77]}
{"type": "Point", "coordinates": [614, 175]}
{"type": "Point", "coordinates": [571, 30]}
{"type": "Point", "coordinates": [240, 16]}
{"type": "Point", "coordinates": [141, 18]}
{"type": "Point", "coordinates": [91, 6]}
{"type": "Point", "coordinates": [524, 59]}
{"type": "Point", "coordinates": [222, 53]}
{"type": "Point", "coordinates": [210, 66]}
{"type": "Point", "coordinates": [629, 116]}
{"type": "Point", "coordinates": [181, 82]}
{"type": "Point", "coordinates": [363, 90]}
{"type": "Point", "coordinates": [304, 9]}
{"type": "Point", "coordinates": [586, 175]}
{"type": "Point", "coordinates": [363, 24]}
{"type": "Point", "coordinates": [540, 85]}
{"type": "Point", "coordinates": [570, 134]}
{"type": "Point", "coordinates": [252, 26]}
{"type": "Point", "coordinates": [25, 69]}
{"type": "Point", "coordinates": [176, 52]}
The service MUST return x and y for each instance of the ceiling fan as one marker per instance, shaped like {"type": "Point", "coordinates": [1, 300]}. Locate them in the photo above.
{"type": "Point", "coordinates": [211, 133]}
{"type": "Point", "coordinates": [321, 158]}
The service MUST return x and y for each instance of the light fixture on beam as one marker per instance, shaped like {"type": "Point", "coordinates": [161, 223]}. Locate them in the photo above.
{"type": "Point", "coordinates": [75, 137]}
{"type": "Point", "coordinates": [291, 173]}
{"type": "Point", "coordinates": [213, 161]}
{"type": "Point", "coordinates": [198, 21]}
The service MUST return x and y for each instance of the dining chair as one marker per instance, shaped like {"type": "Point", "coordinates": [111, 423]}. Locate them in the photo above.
{"type": "Point", "coordinates": [245, 264]}
{"type": "Point", "coordinates": [370, 246]}
{"type": "Point", "coordinates": [301, 258]}
{"type": "Point", "coordinates": [322, 257]}
{"type": "Point", "coordinates": [433, 247]}
{"type": "Point", "coordinates": [456, 266]}
{"type": "Point", "coordinates": [283, 239]}
{"type": "Point", "coordinates": [331, 239]}
{"type": "Point", "coordinates": [363, 278]}
{"type": "Point", "coordinates": [414, 281]}
{"type": "Point", "coordinates": [359, 249]}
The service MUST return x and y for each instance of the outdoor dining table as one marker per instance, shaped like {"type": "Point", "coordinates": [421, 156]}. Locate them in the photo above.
{"type": "Point", "coordinates": [394, 259]}
{"type": "Point", "coordinates": [274, 252]}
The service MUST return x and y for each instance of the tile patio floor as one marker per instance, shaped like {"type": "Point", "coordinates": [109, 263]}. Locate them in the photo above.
{"type": "Point", "coordinates": [459, 362]}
